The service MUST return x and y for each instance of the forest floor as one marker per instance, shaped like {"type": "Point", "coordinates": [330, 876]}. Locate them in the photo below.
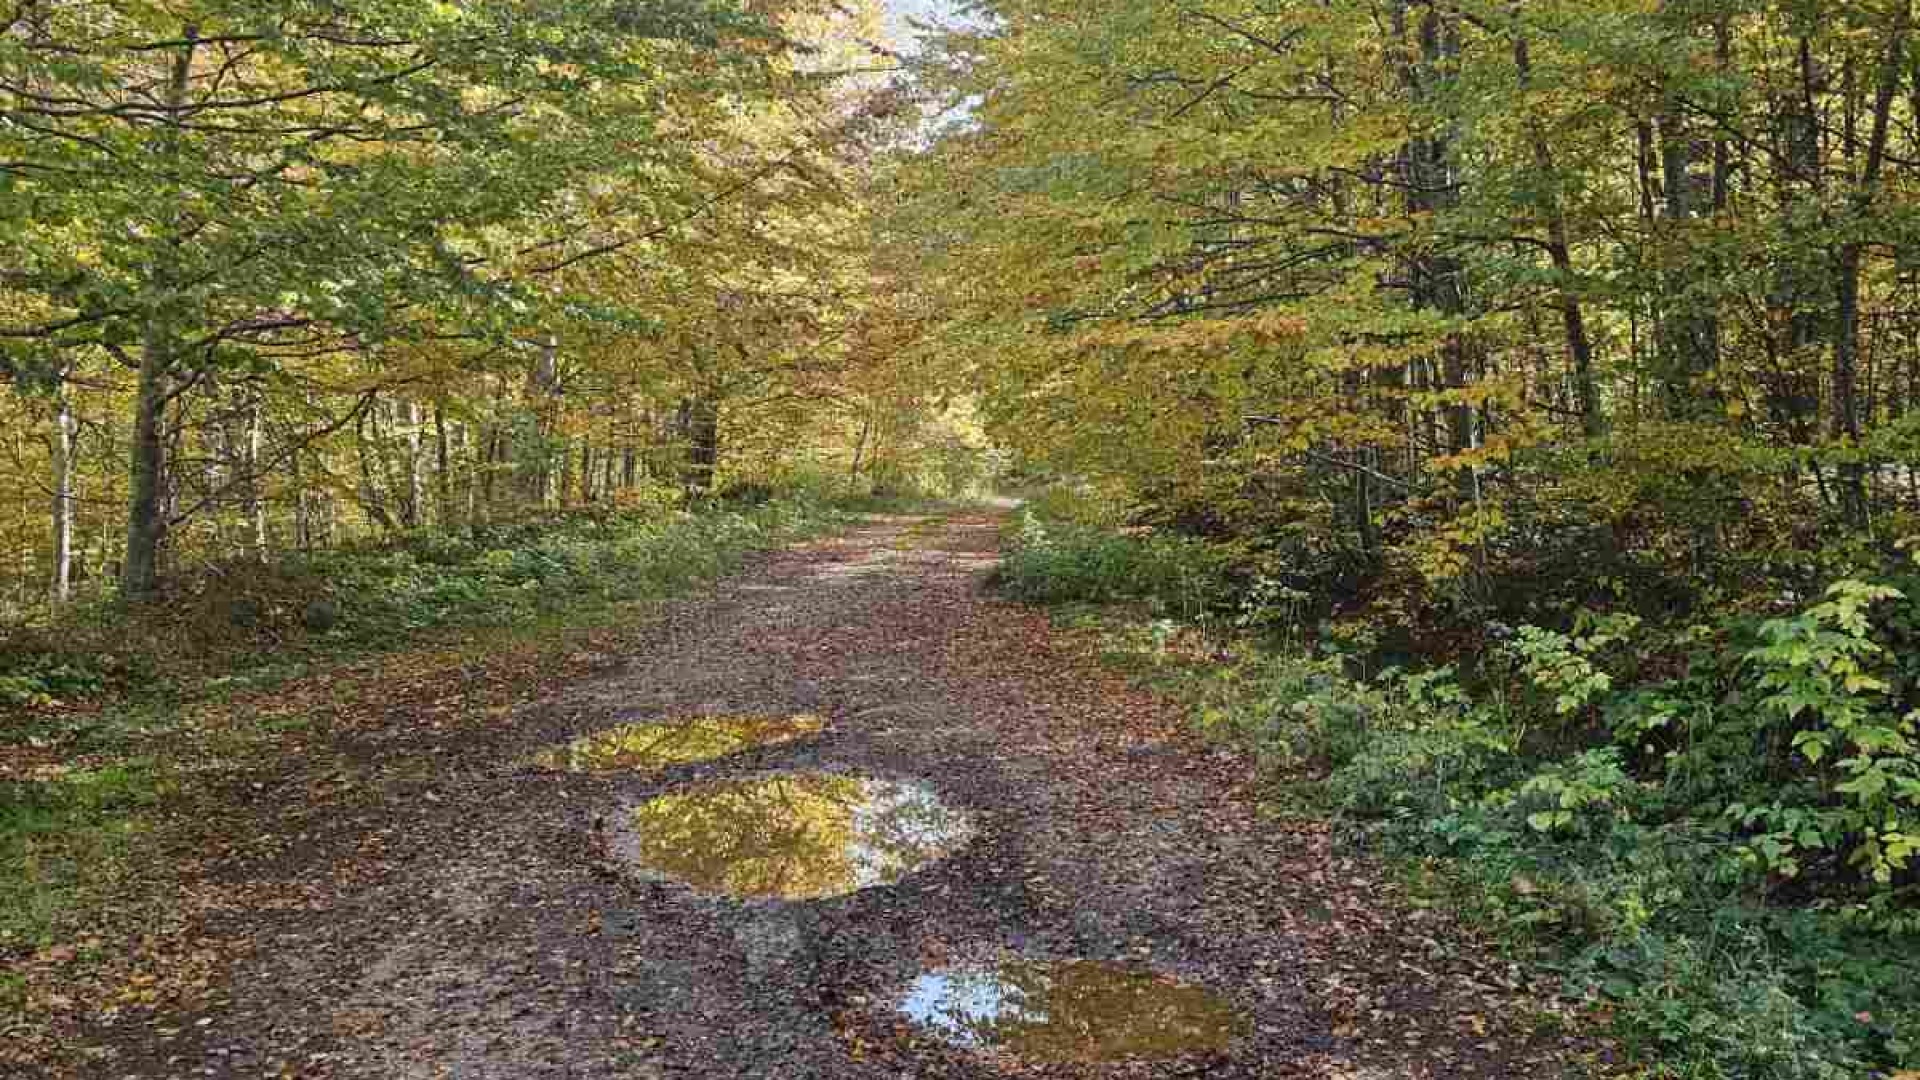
{"type": "Point", "coordinates": [377, 883]}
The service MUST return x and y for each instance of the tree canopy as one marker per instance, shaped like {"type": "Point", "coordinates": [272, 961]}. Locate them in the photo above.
{"type": "Point", "coordinates": [1455, 292]}
{"type": "Point", "coordinates": [276, 276]}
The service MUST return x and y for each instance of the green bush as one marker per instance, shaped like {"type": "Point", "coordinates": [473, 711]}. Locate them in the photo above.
{"type": "Point", "coordinates": [44, 678]}
{"type": "Point", "coordinates": [501, 576]}
{"type": "Point", "coordinates": [1600, 825]}
{"type": "Point", "coordinates": [1295, 711]}
{"type": "Point", "coordinates": [1063, 562]}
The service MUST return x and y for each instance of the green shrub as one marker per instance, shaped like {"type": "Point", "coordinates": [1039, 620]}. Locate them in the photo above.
{"type": "Point", "coordinates": [1294, 711]}
{"type": "Point", "coordinates": [1590, 822]}
{"type": "Point", "coordinates": [43, 679]}
{"type": "Point", "coordinates": [1062, 562]}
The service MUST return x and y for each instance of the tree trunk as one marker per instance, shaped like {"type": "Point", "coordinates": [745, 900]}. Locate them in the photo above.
{"type": "Point", "coordinates": [1572, 319]}
{"type": "Point", "coordinates": [860, 448]}
{"type": "Point", "coordinates": [256, 504]}
{"type": "Point", "coordinates": [146, 510]}
{"type": "Point", "coordinates": [372, 499]}
{"type": "Point", "coordinates": [148, 486]}
{"type": "Point", "coordinates": [702, 428]}
{"type": "Point", "coordinates": [1846, 343]}
{"type": "Point", "coordinates": [63, 433]}
{"type": "Point", "coordinates": [303, 500]}
{"type": "Point", "coordinates": [543, 386]}
{"type": "Point", "coordinates": [487, 455]}
{"type": "Point", "coordinates": [442, 471]}
{"type": "Point", "coordinates": [1435, 279]}
{"type": "Point", "coordinates": [1690, 335]}
{"type": "Point", "coordinates": [416, 511]}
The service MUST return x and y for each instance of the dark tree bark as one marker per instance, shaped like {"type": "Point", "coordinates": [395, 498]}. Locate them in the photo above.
{"type": "Point", "coordinates": [147, 516]}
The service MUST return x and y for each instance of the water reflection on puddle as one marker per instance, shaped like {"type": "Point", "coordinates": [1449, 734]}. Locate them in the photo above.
{"type": "Point", "coordinates": [657, 746]}
{"type": "Point", "coordinates": [1073, 1011]}
{"type": "Point", "coordinates": [794, 836]}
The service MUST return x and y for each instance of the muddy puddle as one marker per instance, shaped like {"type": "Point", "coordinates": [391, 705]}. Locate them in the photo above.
{"type": "Point", "coordinates": [1072, 1011]}
{"type": "Point", "coordinates": [793, 836]}
{"type": "Point", "coordinates": [653, 746]}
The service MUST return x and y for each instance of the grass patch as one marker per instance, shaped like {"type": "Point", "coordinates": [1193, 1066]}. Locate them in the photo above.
{"type": "Point", "coordinates": [66, 838]}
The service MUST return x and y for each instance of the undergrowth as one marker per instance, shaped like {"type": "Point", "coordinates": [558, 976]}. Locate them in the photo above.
{"type": "Point", "coordinates": [1053, 562]}
{"type": "Point", "coordinates": [1712, 831]}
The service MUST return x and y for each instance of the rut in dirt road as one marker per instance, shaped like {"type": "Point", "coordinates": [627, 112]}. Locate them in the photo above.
{"type": "Point", "coordinates": [1104, 899]}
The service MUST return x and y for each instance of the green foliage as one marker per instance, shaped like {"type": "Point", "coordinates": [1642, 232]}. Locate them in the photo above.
{"type": "Point", "coordinates": [1431, 748]}
{"type": "Point", "coordinates": [1071, 504]}
{"type": "Point", "coordinates": [1057, 562]}
{"type": "Point", "coordinates": [1575, 796]}
{"type": "Point", "coordinates": [237, 618]}
{"type": "Point", "coordinates": [1607, 820]}
{"type": "Point", "coordinates": [1815, 670]}
{"type": "Point", "coordinates": [1567, 668]}
{"type": "Point", "coordinates": [1296, 713]}
{"type": "Point", "coordinates": [46, 679]}
{"type": "Point", "coordinates": [505, 575]}
{"type": "Point", "coordinates": [1638, 892]}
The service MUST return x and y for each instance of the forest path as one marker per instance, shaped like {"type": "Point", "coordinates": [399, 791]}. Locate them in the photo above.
{"type": "Point", "coordinates": [463, 915]}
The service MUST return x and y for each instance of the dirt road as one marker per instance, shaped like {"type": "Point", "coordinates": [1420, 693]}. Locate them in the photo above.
{"type": "Point", "coordinates": [479, 916]}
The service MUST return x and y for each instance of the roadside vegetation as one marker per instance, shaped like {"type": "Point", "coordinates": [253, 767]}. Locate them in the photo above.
{"type": "Point", "coordinates": [1705, 825]}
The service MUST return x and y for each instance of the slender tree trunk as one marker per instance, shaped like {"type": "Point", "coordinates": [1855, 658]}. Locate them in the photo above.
{"type": "Point", "coordinates": [700, 427]}
{"type": "Point", "coordinates": [1793, 395]}
{"type": "Point", "coordinates": [483, 457]}
{"type": "Point", "coordinates": [1436, 279]}
{"type": "Point", "coordinates": [372, 499]}
{"type": "Point", "coordinates": [860, 448]}
{"type": "Point", "coordinates": [303, 500]}
{"type": "Point", "coordinates": [471, 440]}
{"type": "Point", "coordinates": [1572, 319]}
{"type": "Point", "coordinates": [416, 469]}
{"type": "Point", "coordinates": [1846, 343]}
{"type": "Point", "coordinates": [1684, 334]}
{"type": "Point", "coordinates": [256, 503]}
{"type": "Point", "coordinates": [543, 387]}
{"type": "Point", "coordinates": [442, 467]}
{"type": "Point", "coordinates": [146, 511]}
{"type": "Point", "coordinates": [63, 495]}
{"type": "Point", "coordinates": [1690, 335]}
{"type": "Point", "coordinates": [1722, 161]}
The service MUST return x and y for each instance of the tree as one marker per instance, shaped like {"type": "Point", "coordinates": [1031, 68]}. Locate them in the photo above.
{"type": "Point", "coordinates": [1445, 286]}
{"type": "Point", "coordinates": [205, 192]}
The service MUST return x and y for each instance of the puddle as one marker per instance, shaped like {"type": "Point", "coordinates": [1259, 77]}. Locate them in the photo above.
{"type": "Point", "coordinates": [794, 836]}
{"type": "Point", "coordinates": [1078, 1010]}
{"type": "Point", "coordinates": [657, 746]}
